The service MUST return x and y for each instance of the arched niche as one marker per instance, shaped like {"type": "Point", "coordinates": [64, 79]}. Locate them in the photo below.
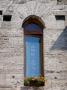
{"type": "Point", "coordinates": [33, 41]}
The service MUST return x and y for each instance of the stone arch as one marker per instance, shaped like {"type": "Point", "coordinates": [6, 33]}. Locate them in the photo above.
{"type": "Point", "coordinates": [34, 19]}
{"type": "Point", "coordinates": [32, 8]}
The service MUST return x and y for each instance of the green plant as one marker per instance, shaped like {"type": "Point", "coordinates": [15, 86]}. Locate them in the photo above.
{"type": "Point", "coordinates": [34, 81]}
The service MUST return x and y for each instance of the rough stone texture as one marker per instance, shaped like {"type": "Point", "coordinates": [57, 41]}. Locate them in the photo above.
{"type": "Point", "coordinates": [12, 43]}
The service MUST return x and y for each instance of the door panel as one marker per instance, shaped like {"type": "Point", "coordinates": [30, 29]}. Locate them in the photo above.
{"type": "Point", "coordinates": [32, 56]}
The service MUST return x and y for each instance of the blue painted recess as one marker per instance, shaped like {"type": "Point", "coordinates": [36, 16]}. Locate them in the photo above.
{"type": "Point", "coordinates": [32, 56]}
{"type": "Point", "coordinates": [32, 27]}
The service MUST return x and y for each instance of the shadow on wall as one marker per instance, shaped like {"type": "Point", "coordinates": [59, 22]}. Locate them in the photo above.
{"type": "Point", "coordinates": [61, 42]}
{"type": "Point", "coordinates": [32, 88]}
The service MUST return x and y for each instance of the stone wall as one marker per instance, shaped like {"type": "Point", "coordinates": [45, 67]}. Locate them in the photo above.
{"type": "Point", "coordinates": [11, 56]}
{"type": "Point", "coordinates": [12, 45]}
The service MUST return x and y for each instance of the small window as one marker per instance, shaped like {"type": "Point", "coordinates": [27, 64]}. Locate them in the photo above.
{"type": "Point", "coordinates": [0, 12]}
{"type": "Point", "coordinates": [60, 17]}
{"type": "Point", "coordinates": [7, 17]}
{"type": "Point", "coordinates": [59, 0]}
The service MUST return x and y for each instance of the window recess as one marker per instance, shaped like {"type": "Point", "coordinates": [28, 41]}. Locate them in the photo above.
{"type": "Point", "coordinates": [60, 17]}
{"type": "Point", "coordinates": [7, 17]}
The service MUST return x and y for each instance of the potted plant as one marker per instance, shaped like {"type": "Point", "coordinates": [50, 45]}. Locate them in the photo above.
{"type": "Point", "coordinates": [34, 81]}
